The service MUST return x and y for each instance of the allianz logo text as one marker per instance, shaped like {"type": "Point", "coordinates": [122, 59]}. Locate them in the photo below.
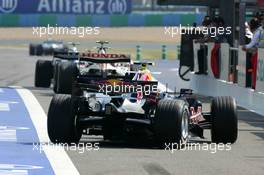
{"type": "Point", "coordinates": [66, 6]}
{"type": "Point", "coordinates": [83, 6]}
{"type": "Point", "coordinates": [8, 6]}
{"type": "Point", "coordinates": [117, 6]}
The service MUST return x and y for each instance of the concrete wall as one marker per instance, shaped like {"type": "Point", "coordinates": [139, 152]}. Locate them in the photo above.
{"type": "Point", "coordinates": [245, 97]}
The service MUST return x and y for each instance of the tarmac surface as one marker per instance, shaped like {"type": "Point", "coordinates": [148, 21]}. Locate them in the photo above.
{"type": "Point", "coordinates": [246, 156]}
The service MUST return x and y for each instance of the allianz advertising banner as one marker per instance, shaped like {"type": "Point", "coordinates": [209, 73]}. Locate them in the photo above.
{"type": "Point", "coordinates": [97, 7]}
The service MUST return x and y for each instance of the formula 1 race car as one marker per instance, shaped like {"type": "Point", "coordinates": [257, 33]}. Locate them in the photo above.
{"type": "Point", "coordinates": [65, 66]}
{"type": "Point", "coordinates": [48, 47]}
{"type": "Point", "coordinates": [117, 106]}
{"type": "Point", "coordinates": [48, 71]}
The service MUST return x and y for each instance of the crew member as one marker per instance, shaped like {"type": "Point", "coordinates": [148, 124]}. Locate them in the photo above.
{"type": "Point", "coordinates": [256, 42]}
{"type": "Point", "coordinates": [202, 52]}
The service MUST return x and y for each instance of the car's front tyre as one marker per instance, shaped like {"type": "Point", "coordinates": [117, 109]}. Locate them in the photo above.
{"type": "Point", "coordinates": [62, 120]}
{"type": "Point", "coordinates": [224, 120]}
{"type": "Point", "coordinates": [43, 73]}
{"type": "Point", "coordinates": [67, 71]}
{"type": "Point", "coordinates": [171, 121]}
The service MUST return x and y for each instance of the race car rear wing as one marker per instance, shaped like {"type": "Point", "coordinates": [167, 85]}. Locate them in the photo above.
{"type": "Point", "coordinates": [94, 57]}
{"type": "Point", "coordinates": [149, 63]}
{"type": "Point", "coordinates": [66, 55]}
{"type": "Point", "coordinates": [105, 58]}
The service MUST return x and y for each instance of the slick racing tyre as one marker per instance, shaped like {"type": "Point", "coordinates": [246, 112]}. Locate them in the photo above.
{"type": "Point", "coordinates": [32, 49]}
{"type": "Point", "coordinates": [62, 121]}
{"type": "Point", "coordinates": [55, 77]}
{"type": "Point", "coordinates": [224, 120]}
{"type": "Point", "coordinates": [67, 71]}
{"type": "Point", "coordinates": [43, 73]}
{"type": "Point", "coordinates": [171, 121]}
{"type": "Point", "coordinates": [39, 50]}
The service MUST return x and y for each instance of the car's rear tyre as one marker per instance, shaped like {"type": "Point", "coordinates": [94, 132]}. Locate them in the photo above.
{"type": "Point", "coordinates": [171, 122]}
{"type": "Point", "coordinates": [43, 73]}
{"type": "Point", "coordinates": [224, 120]}
{"type": "Point", "coordinates": [55, 77]}
{"type": "Point", "coordinates": [32, 49]}
{"type": "Point", "coordinates": [67, 72]}
{"type": "Point", "coordinates": [62, 121]}
{"type": "Point", "coordinates": [39, 50]}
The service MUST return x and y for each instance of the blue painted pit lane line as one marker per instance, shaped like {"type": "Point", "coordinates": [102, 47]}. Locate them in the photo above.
{"type": "Point", "coordinates": [25, 147]}
{"type": "Point", "coordinates": [17, 138]}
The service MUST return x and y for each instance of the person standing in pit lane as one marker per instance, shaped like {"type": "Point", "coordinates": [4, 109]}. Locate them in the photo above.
{"type": "Point", "coordinates": [257, 41]}
{"type": "Point", "coordinates": [261, 28]}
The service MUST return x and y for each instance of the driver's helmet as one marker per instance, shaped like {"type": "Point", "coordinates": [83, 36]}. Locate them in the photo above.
{"type": "Point", "coordinates": [144, 74]}
{"type": "Point", "coordinates": [143, 67]}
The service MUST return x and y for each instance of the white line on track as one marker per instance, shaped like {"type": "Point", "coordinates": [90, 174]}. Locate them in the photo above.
{"type": "Point", "coordinates": [13, 172]}
{"type": "Point", "coordinates": [4, 107]}
{"type": "Point", "coordinates": [8, 135]}
{"type": "Point", "coordinates": [16, 169]}
{"type": "Point", "coordinates": [174, 69]}
{"type": "Point", "coordinates": [9, 102]}
{"type": "Point", "coordinates": [58, 158]}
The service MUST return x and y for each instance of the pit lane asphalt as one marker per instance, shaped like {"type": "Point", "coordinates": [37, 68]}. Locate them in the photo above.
{"type": "Point", "coordinates": [245, 157]}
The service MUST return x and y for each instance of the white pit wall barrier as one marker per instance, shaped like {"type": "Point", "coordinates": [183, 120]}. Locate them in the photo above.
{"type": "Point", "coordinates": [224, 61]}
{"type": "Point", "coordinates": [260, 71]}
{"type": "Point", "coordinates": [245, 97]}
{"type": "Point", "coordinates": [241, 67]}
{"type": "Point", "coordinates": [196, 48]}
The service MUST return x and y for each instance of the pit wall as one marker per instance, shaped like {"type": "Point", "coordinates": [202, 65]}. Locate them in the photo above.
{"type": "Point", "coordinates": [245, 97]}
{"type": "Point", "coordinates": [134, 19]}
{"type": "Point", "coordinates": [252, 99]}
